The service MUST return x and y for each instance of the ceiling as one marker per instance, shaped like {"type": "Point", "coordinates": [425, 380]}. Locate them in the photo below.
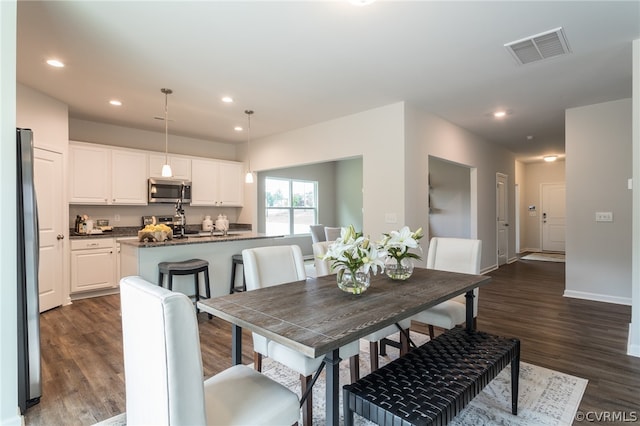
{"type": "Point", "coordinates": [299, 63]}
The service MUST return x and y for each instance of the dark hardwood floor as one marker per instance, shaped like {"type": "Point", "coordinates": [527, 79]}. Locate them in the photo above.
{"type": "Point", "coordinates": [83, 378]}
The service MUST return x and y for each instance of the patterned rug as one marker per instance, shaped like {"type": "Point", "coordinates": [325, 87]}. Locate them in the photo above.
{"type": "Point", "coordinates": [547, 397]}
{"type": "Point", "coordinates": [545, 257]}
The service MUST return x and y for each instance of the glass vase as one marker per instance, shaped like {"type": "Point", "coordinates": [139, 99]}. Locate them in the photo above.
{"type": "Point", "coordinates": [399, 270]}
{"type": "Point", "coordinates": [352, 283]}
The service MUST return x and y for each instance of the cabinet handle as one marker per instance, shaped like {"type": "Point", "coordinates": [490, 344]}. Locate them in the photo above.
{"type": "Point", "coordinates": [93, 244]}
{"type": "Point", "coordinates": [60, 237]}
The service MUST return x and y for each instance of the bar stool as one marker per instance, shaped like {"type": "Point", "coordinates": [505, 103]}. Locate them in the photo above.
{"type": "Point", "coordinates": [186, 267]}
{"type": "Point", "coordinates": [236, 260]}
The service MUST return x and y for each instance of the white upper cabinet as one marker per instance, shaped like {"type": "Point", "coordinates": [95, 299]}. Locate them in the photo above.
{"type": "Point", "coordinates": [101, 175]}
{"type": "Point", "coordinates": [89, 174]}
{"type": "Point", "coordinates": [180, 166]}
{"type": "Point", "coordinates": [128, 177]}
{"type": "Point", "coordinates": [216, 183]}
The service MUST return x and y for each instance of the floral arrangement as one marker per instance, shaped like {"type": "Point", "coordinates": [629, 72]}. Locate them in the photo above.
{"type": "Point", "coordinates": [397, 244]}
{"type": "Point", "coordinates": [353, 251]}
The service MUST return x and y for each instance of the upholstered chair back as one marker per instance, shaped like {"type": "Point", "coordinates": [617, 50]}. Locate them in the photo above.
{"type": "Point", "coordinates": [317, 233]}
{"type": "Point", "coordinates": [269, 266]}
{"type": "Point", "coordinates": [454, 255]}
{"type": "Point", "coordinates": [162, 358]}
{"type": "Point", "coordinates": [323, 267]}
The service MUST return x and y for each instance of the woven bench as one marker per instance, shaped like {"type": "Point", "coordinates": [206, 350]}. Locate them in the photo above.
{"type": "Point", "coordinates": [431, 384]}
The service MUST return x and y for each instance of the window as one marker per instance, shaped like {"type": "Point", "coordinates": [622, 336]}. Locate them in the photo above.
{"type": "Point", "coordinates": [291, 206]}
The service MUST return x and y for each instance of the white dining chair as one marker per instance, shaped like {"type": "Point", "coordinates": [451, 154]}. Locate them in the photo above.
{"type": "Point", "coordinates": [453, 255]}
{"type": "Point", "coordinates": [332, 233]}
{"type": "Point", "coordinates": [324, 267]}
{"type": "Point", "coordinates": [274, 265]}
{"type": "Point", "coordinates": [317, 233]}
{"type": "Point", "coordinates": [163, 369]}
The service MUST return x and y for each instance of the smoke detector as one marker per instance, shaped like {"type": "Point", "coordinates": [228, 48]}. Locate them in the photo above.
{"type": "Point", "coordinates": [541, 46]}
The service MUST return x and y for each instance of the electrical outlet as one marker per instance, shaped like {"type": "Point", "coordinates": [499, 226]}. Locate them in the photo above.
{"type": "Point", "coordinates": [390, 218]}
{"type": "Point", "coordinates": [604, 216]}
{"type": "Point", "coordinates": [116, 218]}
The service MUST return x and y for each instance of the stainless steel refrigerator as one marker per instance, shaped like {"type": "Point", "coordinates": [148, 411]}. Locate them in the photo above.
{"type": "Point", "coordinates": [29, 367]}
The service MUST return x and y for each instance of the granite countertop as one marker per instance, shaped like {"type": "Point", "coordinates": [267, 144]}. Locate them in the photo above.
{"type": "Point", "coordinates": [132, 231]}
{"type": "Point", "coordinates": [196, 239]}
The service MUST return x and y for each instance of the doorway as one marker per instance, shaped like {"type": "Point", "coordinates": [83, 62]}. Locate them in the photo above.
{"type": "Point", "coordinates": [502, 218]}
{"type": "Point", "coordinates": [453, 199]}
{"type": "Point", "coordinates": [553, 196]}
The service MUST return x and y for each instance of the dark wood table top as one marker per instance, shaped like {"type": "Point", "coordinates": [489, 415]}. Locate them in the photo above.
{"type": "Point", "coordinates": [315, 316]}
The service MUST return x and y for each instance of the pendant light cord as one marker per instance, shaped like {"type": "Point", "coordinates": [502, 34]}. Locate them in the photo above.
{"type": "Point", "coordinates": [248, 112]}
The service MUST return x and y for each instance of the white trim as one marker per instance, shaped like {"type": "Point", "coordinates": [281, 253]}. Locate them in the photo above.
{"type": "Point", "coordinates": [632, 349]}
{"type": "Point", "coordinates": [488, 269]}
{"type": "Point", "coordinates": [531, 249]}
{"type": "Point", "coordinates": [512, 260]}
{"type": "Point", "coordinates": [597, 297]}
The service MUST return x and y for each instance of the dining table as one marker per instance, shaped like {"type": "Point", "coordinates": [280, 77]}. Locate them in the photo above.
{"type": "Point", "coordinates": [316, 318]}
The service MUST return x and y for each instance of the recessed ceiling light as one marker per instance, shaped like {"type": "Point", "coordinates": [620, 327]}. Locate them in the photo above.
{"type": "Point", "coordinates": [55, 63]}
{"type": "Point", "coordinates": [500, 114]}
{"type": "Point", "coordinates": [238, 129]}
{"type": "Point", "coordinates": [550, 158]}
{"type": "Point", "coordinates": [227, 99]}
{"type": "Point", "coordinates": [115, 102]}
{"type": "Point", "coordinates": [529, 138]}
{"type": "Point", "coordinates": [361, 2]}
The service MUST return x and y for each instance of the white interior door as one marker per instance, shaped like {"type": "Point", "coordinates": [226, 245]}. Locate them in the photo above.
{"type": "Point", "coordinates": [553, 216]}
{"type": "Point", "coordinates": [502, 218]}
{"type": "Point", "coordinates": [48, 178]}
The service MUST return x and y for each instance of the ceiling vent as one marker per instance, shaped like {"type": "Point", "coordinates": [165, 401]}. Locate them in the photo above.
{"type": "Point", "coordinates": [538, 47]}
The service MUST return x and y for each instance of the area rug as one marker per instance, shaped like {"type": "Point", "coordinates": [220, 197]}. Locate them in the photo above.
{"type": "Point", "coordinates": [547, 397]}
{"type": "Point", "coordinates": [545, 257]}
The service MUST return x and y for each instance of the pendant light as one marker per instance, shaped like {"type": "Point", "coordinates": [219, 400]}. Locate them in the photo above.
{"type": "Point", "coordinates": [166, 168]}
{"type": "Point", "coordinates": [249, 176]}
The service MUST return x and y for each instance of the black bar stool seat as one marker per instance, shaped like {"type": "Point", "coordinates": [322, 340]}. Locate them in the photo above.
{"type": "Point", "coordinates": [236, 260]}
{"type": "Point", "coordinates": [186, 267]}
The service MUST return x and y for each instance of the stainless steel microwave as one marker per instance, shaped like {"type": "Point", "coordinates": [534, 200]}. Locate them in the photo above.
{"type": "Point", "coordinates": [169, 190]}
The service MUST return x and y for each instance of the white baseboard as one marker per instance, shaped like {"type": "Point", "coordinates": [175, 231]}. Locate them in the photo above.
{"type": "Point", "coordinates": [530, 250]}
{"type": "Point", "coordinates": [488, 269]}
{"type": "Point", "coordinates": [633, 350]}
{"type": "Point", "coordinates": [513, 259]}
{"type": "Point", "coordinates": [597, 297]}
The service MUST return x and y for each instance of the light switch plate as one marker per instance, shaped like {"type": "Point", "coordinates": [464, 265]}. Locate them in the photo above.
{"type": "Point", "coordinates": [604, 217]}
{"type": "Point", "coordinates": [390, 218]}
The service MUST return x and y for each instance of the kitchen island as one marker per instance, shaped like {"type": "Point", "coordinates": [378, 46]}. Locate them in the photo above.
{"type": "Point", "coordinates": [142, 258]}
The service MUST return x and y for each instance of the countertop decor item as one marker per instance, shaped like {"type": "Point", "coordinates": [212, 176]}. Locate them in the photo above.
{"type": "Point", "coordinates": [401, 247]}
{"type": "Point", "coordinates": [354, 257]}
{"type": "Point", "coordinates": [157, 233]}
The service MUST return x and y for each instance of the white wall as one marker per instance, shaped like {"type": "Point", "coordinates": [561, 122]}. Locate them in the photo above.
{"type": "Point", "coordinates": [373, 134]}
{"type": "Point", "coordinates": [432, 135]}
{"type": "Point", "coordinates": [349, 197]}
{"type": "Point", "coordinates": [9, 413]}
{"type": "Point", "coordinates": [395, 142]}
{"type": "Point", "coordinates": [598, 165]}
{"type": "Point", "coordinates": [108, 134]}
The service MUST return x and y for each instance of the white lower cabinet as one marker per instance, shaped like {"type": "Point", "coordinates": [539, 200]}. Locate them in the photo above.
{"type": "Point", "coordinates": [93, 264]}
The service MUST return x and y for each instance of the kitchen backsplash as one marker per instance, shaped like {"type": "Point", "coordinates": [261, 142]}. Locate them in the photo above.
{"type": "Point", "coordinates": [132, 215]}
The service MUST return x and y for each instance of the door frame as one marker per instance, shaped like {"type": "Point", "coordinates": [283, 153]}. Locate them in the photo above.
{"type": "Point", "coordinates": [504, 177]}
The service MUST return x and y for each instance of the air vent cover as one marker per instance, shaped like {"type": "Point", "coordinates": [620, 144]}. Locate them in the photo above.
{"type": "Point", "coordinates": [538, 47]}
